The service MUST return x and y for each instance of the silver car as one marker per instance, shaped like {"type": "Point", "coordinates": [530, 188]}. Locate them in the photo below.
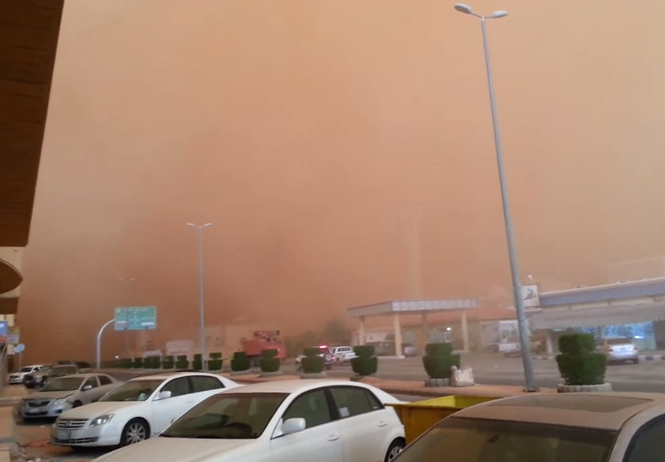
{"type": "Point", "coordinates": [619, 349]}
{"type": "Point", "coordinates": [64, 393]}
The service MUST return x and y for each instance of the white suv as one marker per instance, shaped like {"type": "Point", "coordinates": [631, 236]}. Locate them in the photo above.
{"type": "Point", "coordinates": [343, 354]}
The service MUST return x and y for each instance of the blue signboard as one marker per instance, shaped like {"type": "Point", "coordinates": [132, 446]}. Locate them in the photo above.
{"type": "Point", "coordinates": [136, 318]}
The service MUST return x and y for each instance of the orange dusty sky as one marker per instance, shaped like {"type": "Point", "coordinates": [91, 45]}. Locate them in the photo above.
{"type": "Point", "coordinates": [314, 134]}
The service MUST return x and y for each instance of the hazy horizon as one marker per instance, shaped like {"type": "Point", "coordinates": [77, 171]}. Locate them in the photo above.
{"type": "Point", "coordinates": [312, 134]}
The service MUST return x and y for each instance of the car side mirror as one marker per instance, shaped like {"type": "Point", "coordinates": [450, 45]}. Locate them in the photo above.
{"type": "Point", "coordinates": [87, 387]}
{"type": "Point", "coordinates": [163, 395]}
{"type": "Point", "coordinates": [294, 425]}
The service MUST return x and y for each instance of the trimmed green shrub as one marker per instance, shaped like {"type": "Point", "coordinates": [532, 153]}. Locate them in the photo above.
{"type": "Point", "coordinates": [578, 363]}
{"type": "Point", "coordinates": [138, 363]}
{"type": "Point", "coordinates": [182, 362]}
{"type": "Point", "coordinates": [269, 361]}
{"type": "Point", "coordinates": [152, 362]}
{"type": "Point", "coordinates": [577, 344]}
{"type": "Point", "coordinates": [168, 362]}
{"type": "Point", "coordinates": [439, 360]}
{"type": "Point", "coordinates": [215, 364]}
{"type": "Point", "coordinates": [240, 362]}
{"type": "Point", "coordinates": [126, 363]}
{"type": "Point", "coordinates": [366, 362]}
{"type": "Point", "coordinates": [312, 363]}
{"type": "Point", "coordinates": [215, 356]}
{"type": "Point", "coordinates": [197, 364]}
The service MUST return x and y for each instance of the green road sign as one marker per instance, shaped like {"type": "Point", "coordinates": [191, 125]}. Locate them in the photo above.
{"type": "Point", "coordinates": [136, 318]}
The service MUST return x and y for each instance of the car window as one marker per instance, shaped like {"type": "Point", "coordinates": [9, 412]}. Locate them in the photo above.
{"type": "Point", "coordinates": [353, 401]}
{"type": "Point", "coordinates": [311, 406]}
{"type": "Point", "coordinates": [92, 381]}
{"type": "Point", "coordinates": [647, 444]}
{"type": "Point", "coordinates": [177, 387]}
{"type": "Point", "coordinates": [204, 383]}
{"type": "Point", "coordinates": [104, 380]}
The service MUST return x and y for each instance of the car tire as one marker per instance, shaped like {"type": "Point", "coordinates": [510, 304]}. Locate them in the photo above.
{"type": "Point", "coordinates": [77, 404]}
{"type": "Point", "coordinates": [135, 431]}
{"type": "Point", "coordinates": [394, 449]}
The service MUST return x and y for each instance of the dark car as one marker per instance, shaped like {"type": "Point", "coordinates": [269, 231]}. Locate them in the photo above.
{"type": "Point", "coordinates": [39, 379]}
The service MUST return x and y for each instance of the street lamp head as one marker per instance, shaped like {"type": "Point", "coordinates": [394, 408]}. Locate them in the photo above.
{"type": "Point", "coordinates": [192, 225]}
{"type": "Point", "coordinates": [499, 14]}
{"type": "Point", "coordinates": [464, 8]}
{"type": "Point", "coordinates": [207, 224]}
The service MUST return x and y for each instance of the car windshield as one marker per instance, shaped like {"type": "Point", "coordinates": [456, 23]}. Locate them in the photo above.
{"type": "Point", "coordinates": [63, 384]}
{"type": "Point", "coordinates": [134, 390]}
{"type": "Point", "coordinates": [228, 416]}
{"type": "Point", "coordinates": [59, 371]}
{"type": "Point", "coordinates": [475, 440]}
{"type": "Point", "coordinates": [618, 341]}
{"type": "Point", "coordinates": [25, 369]}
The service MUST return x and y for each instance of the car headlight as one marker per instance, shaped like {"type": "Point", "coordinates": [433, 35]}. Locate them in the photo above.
{"type": "Point", "coordinates": [101, 420]}
{"type": "Point", "coordinates": [60, 401]}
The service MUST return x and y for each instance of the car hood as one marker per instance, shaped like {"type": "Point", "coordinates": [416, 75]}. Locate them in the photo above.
{"type": "Point", "coordinates": [90, 411]}
{"type": "Point", "coordinates": [48, 395]}
{"type": "Point", "coordinates": [160, 449]}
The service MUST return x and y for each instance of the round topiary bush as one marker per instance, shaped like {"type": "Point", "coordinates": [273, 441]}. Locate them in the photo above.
{"type": "Point", "coordinates": [269, 362]}
{"type": "Point", "coordinates": [215, 364]}
{"type": "Point", "coordinates": [366, 363]}
{"type": "Point", "coordinates": [182, 362]}
{"type": "Point", "coordinates": [578, 362]}
{"type": "Point", "coordinates": [312, 363]}
{"type": "Point", "coordinates": [439, 360]}
{"type": "Point", "coordinates": [240, 362]}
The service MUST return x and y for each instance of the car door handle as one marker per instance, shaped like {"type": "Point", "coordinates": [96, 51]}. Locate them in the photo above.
{"type": "Point", "coordinates": [333, 437]}
{"type": "Point", "coordinates": [383, 424]}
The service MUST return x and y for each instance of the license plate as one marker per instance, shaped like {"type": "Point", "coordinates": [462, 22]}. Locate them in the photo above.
{"type": "Point", "coordinates": [64, 435]}
{"type": "Point", "coordinates": [32, 411]}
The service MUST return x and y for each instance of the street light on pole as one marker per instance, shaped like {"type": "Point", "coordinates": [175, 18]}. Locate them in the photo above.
{"type": "Point", "coordinates": [127, 282]}
{"type": "Point", "coordinates": [508, 220]}
{"type": "Point", "coordinates": [202, 333]}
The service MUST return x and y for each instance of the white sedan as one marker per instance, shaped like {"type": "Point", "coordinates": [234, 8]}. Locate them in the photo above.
{"type": "Point", "coordinates": [569, 427]}
{"type": "Point", "coordinates": [281, 421]}
{"type": "Point", "coordinates": [136, 410]}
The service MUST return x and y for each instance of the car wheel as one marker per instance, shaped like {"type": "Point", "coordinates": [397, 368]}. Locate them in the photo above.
{"type": "Point", "coordinates": [77, 404]}
{"type": "Point", "coordinates": [395, 448]}
{"type": "Point", "coordinates": [134, 432]}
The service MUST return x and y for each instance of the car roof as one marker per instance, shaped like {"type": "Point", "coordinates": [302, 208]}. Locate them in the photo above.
{"type": "Point", "coordinates": [295, 386]}
{"type": "Point", "coordinates": [82, 376]}
{"type": "Point", "coordinates": [172, 375]}
{"type": "Point", "coordinates": [608, 411]}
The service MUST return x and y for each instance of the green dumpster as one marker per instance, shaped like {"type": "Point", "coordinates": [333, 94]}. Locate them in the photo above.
{"type": "Point", "coordinates": [420, 416]}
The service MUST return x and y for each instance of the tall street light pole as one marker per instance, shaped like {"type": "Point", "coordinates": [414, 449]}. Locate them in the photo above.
{"type": "Point", "coordinates": [202, 333]}
{"type": "Point", "coordinates": [127, 282]}
{"type": "Point", "coordinates": [508, 220]}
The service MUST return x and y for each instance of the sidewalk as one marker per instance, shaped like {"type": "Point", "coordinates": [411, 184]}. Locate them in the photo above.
{"type": "Point", "coordinates": [9, 396]}
{"type": "Point", "coordinates": [655, 356]}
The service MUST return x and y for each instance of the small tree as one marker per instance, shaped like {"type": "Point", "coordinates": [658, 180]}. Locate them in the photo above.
{"type": "Point", "coordinates": [168, 362]}
{"type": "Point", "coordinates": [182, 362]}
{"type": "Point", "coordinates": [439, 360]}
{"type": "Point", "coordinates": [215, 364]}
{"type": "Point", "coordinates": [578, 362]}
{"type": "Point", "coordinates": [312, 363]}
{"type": "Point", "coordinates": [366, 363]}
{"type": "Point", "coordinates": [240, 362]}
{"type": "Point", "coordinates": [138, 363]}
{"type": "Point", "coordinates": [198, 362]}
{"type": "Point", "coordinates": [269, 361]}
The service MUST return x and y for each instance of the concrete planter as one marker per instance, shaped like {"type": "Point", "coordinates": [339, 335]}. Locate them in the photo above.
{"type": "Point", "coordinates": [437, 383]}
{"type": "Point", "coordinates": [315, 375]}
{"type": "Point", "coordinates": [270, 374]}
{"type": "Point", "coordinates": [605, 387]}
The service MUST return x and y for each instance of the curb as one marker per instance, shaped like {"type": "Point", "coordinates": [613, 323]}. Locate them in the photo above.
{"type": "Point", "coordinates": [645, 358]}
